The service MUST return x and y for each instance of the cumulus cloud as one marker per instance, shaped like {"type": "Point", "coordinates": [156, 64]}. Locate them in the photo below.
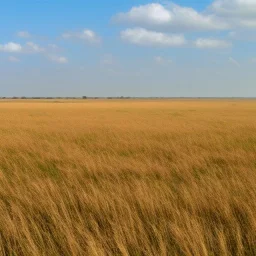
{"type": "Point", "coordinates": [29, 47]}
{"type": "Point", "coordinates": [32, 48]}
{"type": "Point", "coordinates": [220, 15]}
{"type": "Point", "coordinates": [209, 43]}
{"type": "Point", "coordinates": [86, 35]}
{"type": "Point", "coordinates": [239, 13]}
{"type": "Point", "coordinates": [246, 8]}
{"type": "Point", "coordinates": [172, 17]}
{"type": "Point", "coordinates": [13, 59]}
{"type": "Point", "coordinates": [143, 37]}
{"type": "Point", "coordinates": [23, 34]}
{"type": "Point", "coordinates": [10, 47]}
{"type": "Point", "coordinates": [58, 59]}
{"type": "Point", "coordinates": [148, 14]}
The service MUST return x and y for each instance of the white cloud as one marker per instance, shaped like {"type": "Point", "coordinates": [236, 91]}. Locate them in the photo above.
{"type": "Point", "coordinates": [159, 59]}
{"type": "Point", "coordinates": [58, 59]}
{"type": "Point", "coordinates": [249, 23]}
{"type": "Point", "coordinates": [90, 36]}
{"type": "Point", "coordinates": [33, 48]}
{"type": "Point", "coordinates": [210, 43]}
{"type": "Point", "coordinates": [23, 34]}
{"type": "Point", "coordinates": [13, 59]}
{"type": "Point", "coordinates": [172, 17]}
{"type": "Point", "coordinates": [86, 35]}
{"type": "Point", "coordinates": [146, 14]}
{"type": "Point", "coordinates": [239, 8]}
{"type": "Point", "coordinates": [220, 15]}
{"type": "Point", "coordinates": [234, 62]}
{"type": "Point", "coordinates": [162, 61]}
{"type": "Point", "coordinates": [141, 36]}
{"type": "Point", "coordinates": [239, 13]}
{"type": "Point", "coordinates": [53, 46]}
{"type": "Point", "coordinates": [29, 47]}
{"type": "Point", "coordinates": [11, 47]}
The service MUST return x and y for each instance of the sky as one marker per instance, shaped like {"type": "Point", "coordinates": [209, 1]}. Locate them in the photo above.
{"type": "Point", "coordinates": [183, 48]}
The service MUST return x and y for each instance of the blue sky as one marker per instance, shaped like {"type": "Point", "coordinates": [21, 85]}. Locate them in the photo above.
{"type": "Point", "coordinates": [128, 48]}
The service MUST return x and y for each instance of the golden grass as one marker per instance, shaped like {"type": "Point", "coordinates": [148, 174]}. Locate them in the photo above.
{"type": "Point", "coordinates": [128, 178]}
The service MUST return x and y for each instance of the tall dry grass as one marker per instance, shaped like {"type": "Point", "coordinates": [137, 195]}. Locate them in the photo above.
{"type": "Point", "coordinates": [128, 178]}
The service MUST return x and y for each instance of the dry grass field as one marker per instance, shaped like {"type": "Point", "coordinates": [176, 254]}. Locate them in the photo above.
{"type": "Point", "coordinates": [131, 177]}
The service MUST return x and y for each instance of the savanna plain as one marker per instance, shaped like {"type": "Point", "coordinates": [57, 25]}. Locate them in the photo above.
{"type": "Point", "coordinates": [128, 177]}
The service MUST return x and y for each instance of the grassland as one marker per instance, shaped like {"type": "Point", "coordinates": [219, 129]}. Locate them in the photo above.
{"type": "Point", "coordinates": [170, 177]}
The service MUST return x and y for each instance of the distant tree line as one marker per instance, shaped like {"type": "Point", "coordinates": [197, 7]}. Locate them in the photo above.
{"type": "Point", "coordinates": [50, 98]}
{"type": "Point", "coordinates": [118, 97]}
